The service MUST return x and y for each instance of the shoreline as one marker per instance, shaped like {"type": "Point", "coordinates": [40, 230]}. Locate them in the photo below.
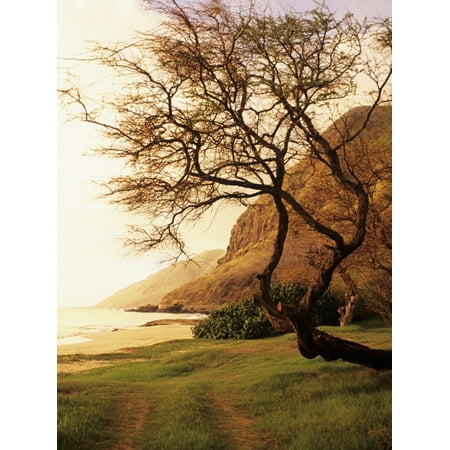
{"type": "Point", "coordinates": [123, 339]}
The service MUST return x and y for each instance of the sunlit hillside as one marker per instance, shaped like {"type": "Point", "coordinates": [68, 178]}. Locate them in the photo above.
{"type": "Point", "coordinates": [252, 236]}
{"type": "Point", "coordinates": [155, 286]}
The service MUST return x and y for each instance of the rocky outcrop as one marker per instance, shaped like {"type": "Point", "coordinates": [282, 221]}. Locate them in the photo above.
{"type": "Point", "coordinates": [250, 246]}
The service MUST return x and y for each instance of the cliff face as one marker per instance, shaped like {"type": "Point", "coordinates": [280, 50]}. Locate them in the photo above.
{"type": "Point", "coordinates": [252, 236]}
{"type": "Point", "coordinates": [151, 290]}
{"type": "Point", "coordinates": [249, 249]}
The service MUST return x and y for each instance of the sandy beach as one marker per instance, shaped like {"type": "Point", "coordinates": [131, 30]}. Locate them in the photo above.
{"type": "Point", "coordinates": [114, 341]}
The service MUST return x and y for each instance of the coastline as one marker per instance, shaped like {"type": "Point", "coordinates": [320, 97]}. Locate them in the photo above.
{"type": "Point", "coordinates": [123, 339]}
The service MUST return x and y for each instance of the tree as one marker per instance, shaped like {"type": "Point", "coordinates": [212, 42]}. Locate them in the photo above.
{"type": "Point", "coordinates": [220, 104]}
{"type": "Point", "coordinates": [368, 270]}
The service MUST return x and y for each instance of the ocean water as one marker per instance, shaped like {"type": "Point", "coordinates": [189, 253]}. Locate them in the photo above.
{"type": "Point", "coordinates": [76, 324]}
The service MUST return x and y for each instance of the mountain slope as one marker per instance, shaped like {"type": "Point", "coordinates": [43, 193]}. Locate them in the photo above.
{"type": "Point", "coordinates": [252, 236]}
{"type": "Point", "coordinates": [151, 290]}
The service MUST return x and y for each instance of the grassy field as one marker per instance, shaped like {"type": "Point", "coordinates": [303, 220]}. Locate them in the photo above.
{"type": "Point", "coordinates": [201, 394]}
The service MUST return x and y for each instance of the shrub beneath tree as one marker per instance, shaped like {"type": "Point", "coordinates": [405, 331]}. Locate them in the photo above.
{"type": "Point", "coordinates": [238, 320]}
{"type": "Point", "coordinates": [244, 320]}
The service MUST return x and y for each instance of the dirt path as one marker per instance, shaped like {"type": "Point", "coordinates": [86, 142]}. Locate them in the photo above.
{"type": "Point", "coordinates": [129, 422]}
{"type": "Point", "coordinates": [238, 429]}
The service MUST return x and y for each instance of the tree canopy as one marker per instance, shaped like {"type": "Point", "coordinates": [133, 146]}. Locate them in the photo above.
{"type": "Point", "coordinates": [219, 103]}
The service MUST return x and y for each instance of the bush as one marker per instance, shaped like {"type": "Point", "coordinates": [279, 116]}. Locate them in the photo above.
{"type": "Point", "coordinates": [244, 320]}
{"type": "Point", "coordinates": [239, 320]}
{"type": "Point", "coordinates": [286, 293]}
{"type": "Point", "coordinates": [325, 311]}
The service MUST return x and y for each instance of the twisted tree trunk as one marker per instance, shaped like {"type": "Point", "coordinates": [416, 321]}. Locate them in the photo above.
{"type": "Point", "coordinates": [286, 317]}
{"type": "Point", "coordinates": [312, 342]}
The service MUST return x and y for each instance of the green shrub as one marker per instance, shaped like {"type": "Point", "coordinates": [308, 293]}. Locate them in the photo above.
{"type": "Point", "coordinates": [239, 320]}
{"type": "Point", "coordinates": [286, 293]}
{"type": "Point", "coordinates": [325, 311]}
{"type": "Point", "coordinates": [244, 320]}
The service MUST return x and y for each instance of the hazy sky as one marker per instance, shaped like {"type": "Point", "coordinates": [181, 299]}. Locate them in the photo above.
{"type": "Point", "coordinates": [92, 263]}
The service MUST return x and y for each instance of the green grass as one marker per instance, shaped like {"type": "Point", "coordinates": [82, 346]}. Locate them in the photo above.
{"type": "Point", "coordinates": [201, 394]}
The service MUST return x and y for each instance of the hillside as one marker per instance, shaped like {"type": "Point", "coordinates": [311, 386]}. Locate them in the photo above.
{"type": "Point", "coordinates": [151, 290]}
{"type": "Point", "coordinates": [252, 236]}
